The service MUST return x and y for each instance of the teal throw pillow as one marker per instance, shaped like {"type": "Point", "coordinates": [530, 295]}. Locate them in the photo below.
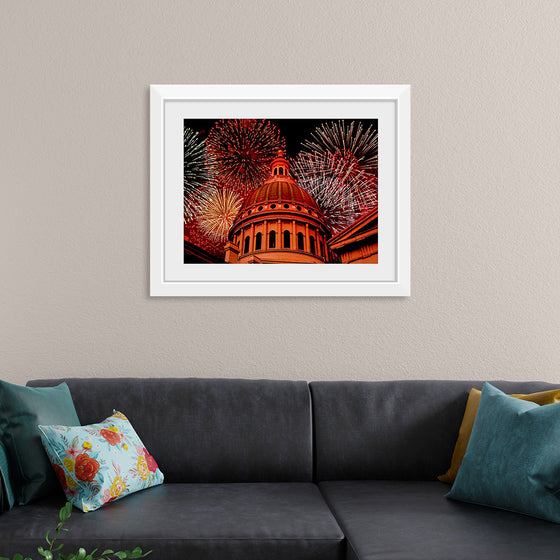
{"type": "Point", "coordinates": [99, 463]}
{"type": "Point", "coordinates": [513, 457]}
{"type": "Point", "coordinates": [21, 410]}
{"type": "Point", "coordinates": [7, 498]}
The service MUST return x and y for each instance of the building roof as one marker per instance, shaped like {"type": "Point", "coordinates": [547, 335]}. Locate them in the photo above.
{"type": "Point", "coordinates": [195, 254]}
{"type": "Point", "coordinates": [362, 228]}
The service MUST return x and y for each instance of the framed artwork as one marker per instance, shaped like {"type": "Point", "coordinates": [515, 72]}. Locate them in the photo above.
{"type": "Point", "coordinates": [309, 182]}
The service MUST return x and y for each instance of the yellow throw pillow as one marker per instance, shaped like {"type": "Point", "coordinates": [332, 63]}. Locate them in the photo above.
{"type": "Point", "coordinates": [541, 398]}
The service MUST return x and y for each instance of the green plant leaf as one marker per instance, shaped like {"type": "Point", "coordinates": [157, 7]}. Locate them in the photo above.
{"type": "Point", "coordinates": [104, 553]}
{"type": "Point", "coordinates": [58, 547]}
{"type": "Point", "coordinates": [68, 508]}
{"type": "Point", "coordinates": [65, 512]}
{"type": "Point", "coordinates": [18, 557]}
{"type": "Point", "coordinates": [121, 555]}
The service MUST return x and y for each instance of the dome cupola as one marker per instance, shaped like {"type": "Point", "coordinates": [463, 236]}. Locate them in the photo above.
{"type": "Point", "coordinates": [280, 166]}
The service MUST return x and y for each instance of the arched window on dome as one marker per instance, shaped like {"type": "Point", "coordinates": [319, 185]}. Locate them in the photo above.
{"type": "Point", "coordinates": [272, 239]}
{"type": "Point", "coordinates": [300, 245]}
{"type": "Point", "coordinates": [286, 239]}
{"type": "Point", "coordinates": [281, 171]}
{"type": "Point", "coordinates": [246, 246]}
{"type": "Point", "coordinates": [258, 241]}
{"type": "Point", "coordinates": [312, 244]}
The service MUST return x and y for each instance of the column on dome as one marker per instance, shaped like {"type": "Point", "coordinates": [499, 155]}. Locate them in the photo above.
{"type": "Point", "coordinates": [313, 241]}
{"type": "Point", "coordinates": [265, 241]}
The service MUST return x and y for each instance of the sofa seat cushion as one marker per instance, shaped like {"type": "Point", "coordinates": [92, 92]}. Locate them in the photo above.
{"type": "Point", "coordinates": [192, 521]}
{"type": "Point", "coordinates": [411, 520]}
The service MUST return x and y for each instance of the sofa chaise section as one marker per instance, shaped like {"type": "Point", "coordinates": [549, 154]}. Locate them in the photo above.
{"type": "Point", "coordinates": [411, 520]}
{"type": "Point", "coordinates": [379, 448]}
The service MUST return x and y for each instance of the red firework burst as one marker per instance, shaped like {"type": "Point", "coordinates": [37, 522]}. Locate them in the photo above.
{"type": "Point", "coordinates": [242, 149]}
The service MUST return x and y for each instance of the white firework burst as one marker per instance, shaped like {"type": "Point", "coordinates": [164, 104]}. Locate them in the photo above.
{"type": "Point", "coordinates": [352, 147]}
{"type": "Point", "coordinates": [340, 200]}
{"type": "Point", "coordinates": [196, 171]}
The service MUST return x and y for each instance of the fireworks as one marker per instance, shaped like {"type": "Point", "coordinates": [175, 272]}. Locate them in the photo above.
{"type": "Point", "coordinates": [196, 171]}
{"type": "Point", "coordinates": [338, 167]}
{"type": "Point", "coordinates": [218, 208]}
{"type": "Point", "coordinates": [340, 202]}
{"type": "Point", "coordinates": [351, 149]}
{"type": "Point", "coordinates": [242, 150]}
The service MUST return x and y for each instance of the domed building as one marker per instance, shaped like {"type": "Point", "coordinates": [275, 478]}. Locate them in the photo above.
{"type": "Point", "coordinates": [279, 222]}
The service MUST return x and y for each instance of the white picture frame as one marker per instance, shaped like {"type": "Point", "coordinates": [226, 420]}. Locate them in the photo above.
{"type": "Point", "coordinates": [171, 104]}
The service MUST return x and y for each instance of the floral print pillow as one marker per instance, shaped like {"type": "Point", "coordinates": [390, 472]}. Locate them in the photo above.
{"type": "Point", "coordinates": [99, 463]}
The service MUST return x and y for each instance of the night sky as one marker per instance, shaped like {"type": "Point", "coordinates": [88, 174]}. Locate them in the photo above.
{"type": "Point", "coordinates": [295, 131]}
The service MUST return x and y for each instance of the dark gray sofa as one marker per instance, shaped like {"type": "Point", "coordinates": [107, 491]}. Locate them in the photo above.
{"type": "Point", "coordinates": [285, 470]}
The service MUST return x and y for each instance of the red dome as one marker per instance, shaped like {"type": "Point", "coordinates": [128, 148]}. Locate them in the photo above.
{"type": "Point", "coordinates": [280, 190]}
{"type": "Point", "coordinates": [279, 223]}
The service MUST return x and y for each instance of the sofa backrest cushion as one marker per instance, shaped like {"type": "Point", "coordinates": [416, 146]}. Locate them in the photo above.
{"type": "Point", "coordinates": [400, 430]}
{"type": "Point", "coordinates": [208, 430]}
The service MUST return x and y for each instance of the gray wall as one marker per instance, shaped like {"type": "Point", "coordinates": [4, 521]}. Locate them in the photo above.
{"type": "Point", "coordinates": [74, 151]}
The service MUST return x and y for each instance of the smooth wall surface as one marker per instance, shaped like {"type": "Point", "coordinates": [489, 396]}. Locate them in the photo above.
{"type": "Point", "coordinates": [74, 176]}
